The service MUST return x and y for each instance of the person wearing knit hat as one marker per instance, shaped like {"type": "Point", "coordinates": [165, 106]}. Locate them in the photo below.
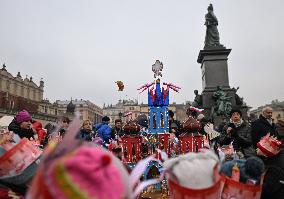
{"type": "Point", "coordinates": [21, 125]}
{"type": "Point", "coordinates": [23, 116]}
{"type": "Point", "coordinates": [238, 132]}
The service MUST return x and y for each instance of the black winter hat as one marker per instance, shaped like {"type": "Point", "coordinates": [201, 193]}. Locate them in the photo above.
{"type": "Point", "coordinates": [105, 119]}
{"type": "Point", "coordinates": [235, 111]}
{"type": "Point", "coordinates": [171, 113]}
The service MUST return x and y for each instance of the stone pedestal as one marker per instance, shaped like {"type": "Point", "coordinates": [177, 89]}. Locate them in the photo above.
{"type": "Point", "coordinates": [214, 69]}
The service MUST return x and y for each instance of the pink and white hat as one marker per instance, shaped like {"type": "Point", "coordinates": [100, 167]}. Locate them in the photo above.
{"type": "Point", "coordinates": [82, 170]}
{"type": "Point", "coordinates": [88, 172]}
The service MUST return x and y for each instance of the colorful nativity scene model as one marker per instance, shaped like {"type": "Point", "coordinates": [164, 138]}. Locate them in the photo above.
{"type": "Point", "coordinates": [157, 139]}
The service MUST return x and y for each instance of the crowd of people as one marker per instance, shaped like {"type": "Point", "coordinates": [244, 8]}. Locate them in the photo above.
{"type": "Point", "coordinates": [88, 164]}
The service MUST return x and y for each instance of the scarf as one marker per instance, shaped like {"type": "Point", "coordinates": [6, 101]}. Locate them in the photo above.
{"type": "Point", "coordinates": [237, 124]}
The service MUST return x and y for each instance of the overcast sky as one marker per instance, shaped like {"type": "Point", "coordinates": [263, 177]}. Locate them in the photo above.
{"type": "Point", "coordinates": [80, 48]}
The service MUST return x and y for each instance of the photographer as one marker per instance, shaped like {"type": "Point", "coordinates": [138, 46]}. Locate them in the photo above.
{"type": "Point", "coordinates": [238, 132]}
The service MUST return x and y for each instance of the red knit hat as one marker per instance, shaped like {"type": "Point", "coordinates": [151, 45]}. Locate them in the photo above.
{"type": "Point", "coordinates": [269, 146]}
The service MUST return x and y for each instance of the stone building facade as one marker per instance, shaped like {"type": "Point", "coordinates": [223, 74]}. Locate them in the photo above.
{"type": "Point", "coordinates": [132, 106]}
{"type": "Point", "coordinates": [180, 112]}
{"type": "Point", "coordinates": [123, 106]}
{"type": "Point", "coordinates": [87, 110]}
{"type": "Point", "coordinates": [114, 111]}
{"type": "Point", "coordinates": [17, 93]}
{"type": "Point", "coordinates": [118, 110]}
{"type": "Point", "coordinates": [46, 107]}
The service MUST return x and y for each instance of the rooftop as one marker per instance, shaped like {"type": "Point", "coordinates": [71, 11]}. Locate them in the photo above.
{"type": "Point", "coordinates": [18, 77]}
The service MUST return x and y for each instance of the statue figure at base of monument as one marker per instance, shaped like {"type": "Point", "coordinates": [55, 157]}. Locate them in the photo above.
{"type": "Point", "coordinates": [223, 105]}
{"type": "Point", "coordinates": [197, 100]}
{"type": "Point", "coordinates": [239, 100]}
{"type": "Point", "coordinates": [212, 38]}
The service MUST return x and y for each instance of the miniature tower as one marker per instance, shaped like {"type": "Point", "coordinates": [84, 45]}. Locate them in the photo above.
{"type": "Point", "coordinates": [158, 101]}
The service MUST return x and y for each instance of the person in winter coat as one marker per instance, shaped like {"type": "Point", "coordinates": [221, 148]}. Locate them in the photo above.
{"type": "Point", "coordinates": [273, 186]}
{"type": "Point", "coordinates": [103, 130]}
{"type": "Point", "coordinates": [37, 126]}
{"type": "Point", "coordinates": [21, 125]}
{"type": "Point", "coordinates": [117, 130]}
{"type": "Point", "coordinates": [85, 133]}
{"type": "Point", "coordinates": [174, 125]}
{"type": "Point", "coordinates": [263, 125]}
{"type": "Point", "coordinates": [50, 128]}
{"type": "Point", "coordinates": [280, 128]}
{"type": "Point", "coordinates": [63, 125]}
{"type": "Point", "coordinates": [238, 132]}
